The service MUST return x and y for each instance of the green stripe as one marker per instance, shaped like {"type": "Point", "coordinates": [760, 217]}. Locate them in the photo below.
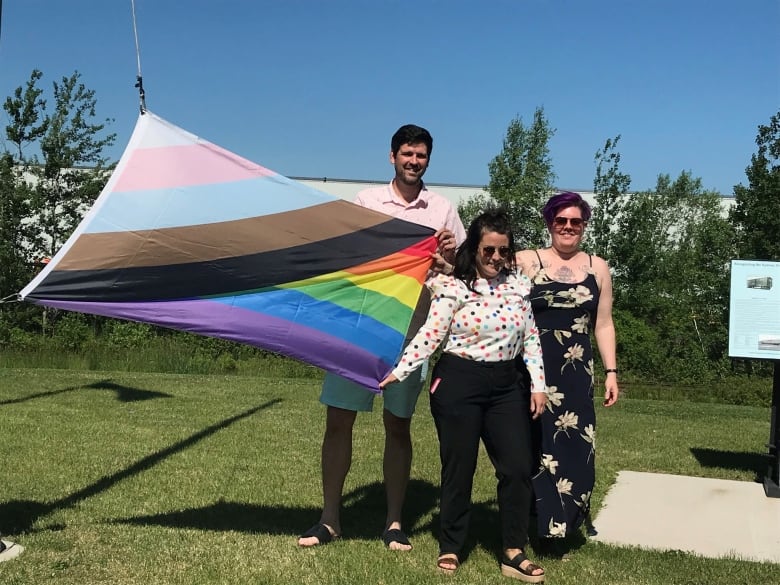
{"type": "Point", "coordinates": [385, 309]}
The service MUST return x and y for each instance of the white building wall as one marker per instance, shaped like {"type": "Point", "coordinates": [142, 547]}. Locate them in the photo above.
{"type": "Point", "coordinates": [348, 189]}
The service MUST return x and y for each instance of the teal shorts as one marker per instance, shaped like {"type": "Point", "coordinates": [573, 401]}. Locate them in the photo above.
{"type": "Point", "coordinates": [400, 398]}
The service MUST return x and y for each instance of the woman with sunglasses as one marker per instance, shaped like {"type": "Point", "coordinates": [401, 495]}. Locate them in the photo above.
{"type": "Point", "coordinates": [571, 296]}
{"type": "Point", "coordinates": [482, 315]}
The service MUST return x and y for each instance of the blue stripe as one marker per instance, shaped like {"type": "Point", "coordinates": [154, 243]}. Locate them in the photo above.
{"type": "Point", "coordinates": [292, 305]}
{"type": "Point", "coordinates": [203, 204]}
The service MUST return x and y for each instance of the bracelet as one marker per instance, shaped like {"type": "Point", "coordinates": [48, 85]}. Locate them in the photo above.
{"type": "Point", "coordinates": [610, 371]}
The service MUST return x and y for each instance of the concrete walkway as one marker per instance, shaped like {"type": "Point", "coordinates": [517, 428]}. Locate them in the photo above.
{"type": "Point", "coordinates": [709, 517]}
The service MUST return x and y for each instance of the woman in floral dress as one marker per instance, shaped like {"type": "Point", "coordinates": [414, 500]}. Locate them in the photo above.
{"type": "Point", "coordinates": [571, 297]}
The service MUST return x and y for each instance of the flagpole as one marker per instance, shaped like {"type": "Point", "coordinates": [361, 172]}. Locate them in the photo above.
{"type": "Point", "coordinates": [139, 81]}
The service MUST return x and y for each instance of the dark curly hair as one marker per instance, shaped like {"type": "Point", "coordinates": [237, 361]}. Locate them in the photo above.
{"type": "Point", "coordinates": [492, 220]}
{"type": "Point", "coordinates": [411, 134]}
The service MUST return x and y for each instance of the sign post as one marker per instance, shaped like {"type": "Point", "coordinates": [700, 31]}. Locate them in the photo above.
{"type": "Point", "coordinates": [772, 479]}
{"type": "Point", "coordinates": [754, 332]}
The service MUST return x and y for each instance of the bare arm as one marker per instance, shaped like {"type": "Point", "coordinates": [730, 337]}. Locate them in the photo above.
{"type": "Point", "coordinates": [444, 303]}
{"type": "Point", "coordinates": [527, 263]}
{"type": "Point", "coordinates": [604, 331]}
{"type": "Point", "coordinates": [532, 356]}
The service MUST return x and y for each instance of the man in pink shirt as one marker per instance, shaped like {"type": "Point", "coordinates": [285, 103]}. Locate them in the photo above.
{"type": "Point", "coordinates": [405, 197]}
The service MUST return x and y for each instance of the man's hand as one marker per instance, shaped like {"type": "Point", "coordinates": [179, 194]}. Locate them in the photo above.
{"type": "Point", "coordinates": [447, 245]}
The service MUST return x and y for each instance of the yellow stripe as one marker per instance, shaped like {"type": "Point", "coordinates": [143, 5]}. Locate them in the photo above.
{"type": "Point", "coordinates": [386, 282]}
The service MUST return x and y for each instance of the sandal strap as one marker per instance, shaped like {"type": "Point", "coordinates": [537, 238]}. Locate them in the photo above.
{"type": "Point", "coordinates": [516, 562]}
{"type": "Point", "coordinates": [395, 535]}
{"type": "Point", "coordinates": [320, 532]}
{"type": "Point", "coordinates": [448, 561]}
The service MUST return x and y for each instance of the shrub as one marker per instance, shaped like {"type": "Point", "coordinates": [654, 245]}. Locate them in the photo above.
{"type": "Point", "coordinates": [127, 334]}
{"type": "Point", "coordinates": [72, 331]}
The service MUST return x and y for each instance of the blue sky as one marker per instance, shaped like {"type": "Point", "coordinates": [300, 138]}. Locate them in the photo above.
{"type": "Point", "coordinates": [316, 88]}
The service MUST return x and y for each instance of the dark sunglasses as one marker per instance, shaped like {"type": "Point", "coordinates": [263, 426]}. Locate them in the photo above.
{"type": "Point", "coordinates": [488, 251]}
{"type": "Point", "coordinates": [576, 222]}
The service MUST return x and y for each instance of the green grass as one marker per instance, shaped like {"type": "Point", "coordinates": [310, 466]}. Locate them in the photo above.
{"type": "Point", "coordinates": [163, 355]}
{"type": "Point", "coordinates": [180, 479]}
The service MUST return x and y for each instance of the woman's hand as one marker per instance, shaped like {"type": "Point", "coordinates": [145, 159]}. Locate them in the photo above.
{"type": "Point", "coordinates": [440, 265]}
{"type": "Point", "coordinates": [538, 402]}
{"type": "Point", "coordinates": [389, 380]}
{"type": "Point", "coordinates": [611, 390]}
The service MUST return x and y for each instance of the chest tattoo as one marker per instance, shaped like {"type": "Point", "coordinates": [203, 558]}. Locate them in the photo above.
{"type": "Point", "coordinates": [564, 274]}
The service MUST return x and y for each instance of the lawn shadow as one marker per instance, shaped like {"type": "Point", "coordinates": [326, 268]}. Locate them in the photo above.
{"type": "Point", "coordinates": [556, 548]}
{"type": "Point", "coordinates": [365, 509]}
{"type": "Point", "coordinates": [363, 515]}
{"type": "Point", "coordinates": [758, 463]}
{"type": "Point", "coordinates": [222, 516]}
{"type": "Point", "coordinates": [123, 393]}
{"type": "Point", "coordinates": [127, 393]}
{"type": "Point", "coordinates": [21, 515]}
{"type": "Point", "coordinates": [484, 529]}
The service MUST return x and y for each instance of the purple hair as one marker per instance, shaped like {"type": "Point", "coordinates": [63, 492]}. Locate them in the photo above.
{"type": "Point", "coordinates": [562, 201]}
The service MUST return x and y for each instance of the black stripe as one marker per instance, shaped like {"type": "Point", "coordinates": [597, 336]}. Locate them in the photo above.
{"type": "Point", "coordinates": [230, 275]}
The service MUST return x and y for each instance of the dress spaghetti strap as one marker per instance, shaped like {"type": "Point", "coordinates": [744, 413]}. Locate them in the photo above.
{"type": "Point", "coordinates": [540, 264]}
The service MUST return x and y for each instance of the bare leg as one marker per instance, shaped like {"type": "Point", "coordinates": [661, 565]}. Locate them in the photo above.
{"type": "Point", "coordinates": [336, 461]}
{"type": "Point", "coordinates": [397, 467]}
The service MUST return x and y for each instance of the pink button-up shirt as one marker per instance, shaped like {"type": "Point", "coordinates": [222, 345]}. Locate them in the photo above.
{"type": "Point", "coordinates": [429, 209]}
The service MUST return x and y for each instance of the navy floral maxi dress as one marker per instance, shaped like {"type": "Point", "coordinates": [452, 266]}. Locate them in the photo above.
{"type": "Point", "coordinates": [563, 484]}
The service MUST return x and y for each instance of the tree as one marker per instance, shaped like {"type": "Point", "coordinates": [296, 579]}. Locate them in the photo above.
{"type": "Point", "coordinates": [14, 231]}
{"type": "Point", "coordinates": [50, 173]}
{"type": "Point", "coordinates": [68, 140]}
{"type": "Point", "coordinates": [472, 206]}
{"type": "Point", "coordinates": [756, 215]}
{"type": "Point", "coordinates": [17, 231]}
{"type": "Point", "coordinates": [521, 179]}
{"type": "Point", "coordinates": [670, 254]}
{"type": "Point", "coordinates": [610, 187]}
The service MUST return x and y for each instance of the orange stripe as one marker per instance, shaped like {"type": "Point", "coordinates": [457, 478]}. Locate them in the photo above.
{"type": "Point", "coordinates": [408, 262]}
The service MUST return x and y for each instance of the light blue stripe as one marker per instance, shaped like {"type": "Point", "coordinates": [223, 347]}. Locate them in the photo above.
{"type": "Point", "coordinates": [203, 204]}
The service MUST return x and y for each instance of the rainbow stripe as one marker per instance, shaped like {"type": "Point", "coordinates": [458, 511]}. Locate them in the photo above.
{"type": "Point", "coordinates": [190, 236]}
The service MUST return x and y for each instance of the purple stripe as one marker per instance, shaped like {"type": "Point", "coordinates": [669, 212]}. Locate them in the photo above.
{"type": "Point", "coordinates": [229, 322]}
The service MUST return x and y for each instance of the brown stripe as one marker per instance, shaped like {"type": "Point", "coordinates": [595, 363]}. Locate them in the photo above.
{"type": "Point", "coordinates": [204, 242]}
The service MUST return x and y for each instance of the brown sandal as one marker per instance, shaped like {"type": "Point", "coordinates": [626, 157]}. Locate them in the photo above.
{"type": "Point", "coordinates": [448, 563]}
{"type": "Point", "coordinates": [512, 568]}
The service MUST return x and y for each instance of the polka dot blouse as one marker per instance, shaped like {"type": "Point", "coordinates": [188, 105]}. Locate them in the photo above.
{"type": "Point", "coordinates": [493, 324]}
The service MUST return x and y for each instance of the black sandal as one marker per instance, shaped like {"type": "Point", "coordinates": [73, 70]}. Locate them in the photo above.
{"type": "Point", "coordinates": [321, 533]}
{"type": "Point", "coordinates": [395, 535]}
{"type": "Point", "coordinates": [512, 568]}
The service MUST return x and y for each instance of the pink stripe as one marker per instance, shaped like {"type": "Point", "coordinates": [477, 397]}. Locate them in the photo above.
{"type": "Point", "coordinates": [182, 166]}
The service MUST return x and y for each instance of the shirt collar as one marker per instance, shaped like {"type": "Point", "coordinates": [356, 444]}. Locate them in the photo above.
{"type": "Point", "coordinates": [421, 201]}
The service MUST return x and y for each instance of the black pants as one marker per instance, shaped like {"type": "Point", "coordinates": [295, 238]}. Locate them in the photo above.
{"type": "Point", "coordinates": [486, 400]}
